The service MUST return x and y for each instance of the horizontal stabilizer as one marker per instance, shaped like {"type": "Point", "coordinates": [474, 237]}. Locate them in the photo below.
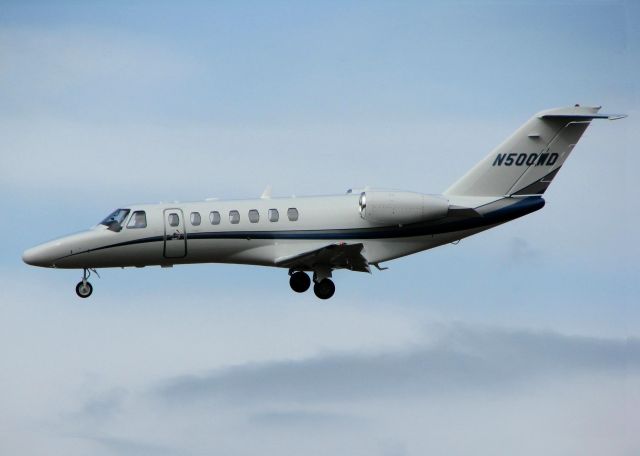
{"type": "Point", "coordinates": [569, 113]}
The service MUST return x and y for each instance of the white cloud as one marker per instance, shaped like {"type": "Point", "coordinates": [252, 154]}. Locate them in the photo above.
{"type": "Point", "coordinates": [42, 66]}
{"type": "Point", "coordinates": [153, 376]}
{"type": "Point", "coordinates": [471, 391]}
{"type": "Point", "coordinates": [202, 158]}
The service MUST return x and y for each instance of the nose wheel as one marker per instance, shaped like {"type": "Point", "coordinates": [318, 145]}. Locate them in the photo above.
{"type": "Point", "coordinates": [84, 287]}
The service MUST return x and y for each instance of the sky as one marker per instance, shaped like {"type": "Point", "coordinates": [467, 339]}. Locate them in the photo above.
{"type": "Point", "coordinates": [523, 339]}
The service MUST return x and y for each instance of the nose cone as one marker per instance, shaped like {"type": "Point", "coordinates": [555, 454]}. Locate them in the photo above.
{"type": "Point", "coordinates": [64, 252]}
{"type": "Point", "coordinates": [41, 255]}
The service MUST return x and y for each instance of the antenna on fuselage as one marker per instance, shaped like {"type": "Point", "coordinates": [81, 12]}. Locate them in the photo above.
{"type": "Point", "coordinates": [266, 194]}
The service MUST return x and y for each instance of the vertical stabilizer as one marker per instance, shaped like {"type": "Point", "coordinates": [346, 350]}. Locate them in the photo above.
{"type": "Point", "coordinates": [527, 162]}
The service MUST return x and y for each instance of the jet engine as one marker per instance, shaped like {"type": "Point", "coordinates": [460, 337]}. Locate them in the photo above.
{"type": "Point", "coordinates": [400, 208]}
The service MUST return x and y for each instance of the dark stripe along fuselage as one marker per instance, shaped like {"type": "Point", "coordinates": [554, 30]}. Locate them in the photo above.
{"type": "Point", "coordinates": [450, 224]}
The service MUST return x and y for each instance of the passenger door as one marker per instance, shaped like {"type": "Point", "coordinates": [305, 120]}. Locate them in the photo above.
{"type": "Point", "coordinates": [175, 236]}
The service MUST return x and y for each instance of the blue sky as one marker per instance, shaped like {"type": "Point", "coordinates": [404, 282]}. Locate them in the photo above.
{"type": "Point", "coordinates": [104, 104]}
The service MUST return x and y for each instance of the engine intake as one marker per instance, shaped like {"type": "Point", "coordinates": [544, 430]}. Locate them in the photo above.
{"type": "Point", "coordinates": [400, 208]}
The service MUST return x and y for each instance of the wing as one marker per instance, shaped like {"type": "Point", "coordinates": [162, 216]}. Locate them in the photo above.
{"type": "Point", "coordinates": [333, 256]}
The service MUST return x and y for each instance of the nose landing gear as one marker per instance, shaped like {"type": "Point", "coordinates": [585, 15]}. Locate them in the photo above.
{"type": "Point", "coordinates": [84, 287]}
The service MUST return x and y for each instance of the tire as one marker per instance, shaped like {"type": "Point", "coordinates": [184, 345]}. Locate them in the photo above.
{"type": "Point", "coordinates": [299, 282]}
{"type": "Point", "coordinates": [324, 289]}
{"type": "Point", "coordinates": [84, 290]}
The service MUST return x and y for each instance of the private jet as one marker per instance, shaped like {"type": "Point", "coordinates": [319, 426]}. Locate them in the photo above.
{"type": "Point", "coordinates": [319, 234]}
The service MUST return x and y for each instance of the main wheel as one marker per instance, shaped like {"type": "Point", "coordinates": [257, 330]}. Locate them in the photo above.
{"type": "Point", "coordinates": [84, 289]}
{"type": "Point", "coordinates": [299, 282]}
{"type": "Point", "coordinates": [324, 289]}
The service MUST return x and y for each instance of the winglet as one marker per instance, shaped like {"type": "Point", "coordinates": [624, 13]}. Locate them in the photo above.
{"type": "Point", "coordinates": [266, 194]}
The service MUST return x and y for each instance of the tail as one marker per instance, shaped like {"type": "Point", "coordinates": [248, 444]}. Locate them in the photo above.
{"type": "Point", "coordinates": [527, 162]}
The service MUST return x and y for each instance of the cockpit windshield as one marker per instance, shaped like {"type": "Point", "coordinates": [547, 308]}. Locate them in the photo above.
{"type": "Point", "coordinates": [116, 217]}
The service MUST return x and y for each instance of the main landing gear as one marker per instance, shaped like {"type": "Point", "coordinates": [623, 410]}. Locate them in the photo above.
{"type": "Point", "coordinates": [324, 289]}
{"type": "Point", "coordinates": [300, 282]}
{"type": "Point", "coordinates": [84, 287]}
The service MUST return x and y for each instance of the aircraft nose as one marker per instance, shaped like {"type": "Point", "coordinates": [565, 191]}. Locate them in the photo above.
{"type": "Point", "coordinates": [38, 256]}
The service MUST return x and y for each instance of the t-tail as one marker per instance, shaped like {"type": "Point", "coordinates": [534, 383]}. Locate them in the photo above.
{"type": "Point", "coordinates": [527, 161]}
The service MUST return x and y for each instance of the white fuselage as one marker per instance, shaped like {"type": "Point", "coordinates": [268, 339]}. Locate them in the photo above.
{"type": "Point", "coordinates": [321, 220]}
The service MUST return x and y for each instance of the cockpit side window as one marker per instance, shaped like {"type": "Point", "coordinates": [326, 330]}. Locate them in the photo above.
{"type": "Point", "coordinates": [116, 217]}
{"type": "Point", "coordinates": [138, 220]}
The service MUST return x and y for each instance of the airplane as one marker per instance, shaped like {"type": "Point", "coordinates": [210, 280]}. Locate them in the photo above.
{"type": "Point", "coordinates": [320, 234]}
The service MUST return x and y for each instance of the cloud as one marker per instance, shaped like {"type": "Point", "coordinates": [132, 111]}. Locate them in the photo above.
{"type": "Point", "coordinates": [499, 389]}
{"type": "Point", "coordinates": [51, 63]}
{"type": "Point", "coordinates": [217, 160]}
{"type": "Point", "coordinates": [303, 418]}
{"type": "Point", "coordinates": [104, 405]}
{"type": "Point", "coordinates": [123, 447]}
{"type": "Point", "coordinates": [334, 379]}
{"type": "Point", "coordinates": [464, 359]}
{"type": "Point", "coordinates": [520, 250]}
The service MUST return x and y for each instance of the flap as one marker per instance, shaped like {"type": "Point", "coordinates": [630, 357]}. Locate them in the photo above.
{"type": "Point", "coordinates": [333, 256]}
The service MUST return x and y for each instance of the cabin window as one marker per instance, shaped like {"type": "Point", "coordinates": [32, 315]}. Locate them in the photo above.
{"type": "Point", "coordinates": [174, 220]}
{"type": "Point", "coordinates": [195, 218]}
{"type": "Point", "coordinates": [254, 216]}
{"type": "Point", "coordinates": [273, 215]}
{"type": "Point", "coordinates": [214, 217]}
{"type": "Point", "coordinates": [292, 213]}
{"type": "Point", "coordinates": [138, 220]}
{"type": "Point", "coordinates": [234, 217]}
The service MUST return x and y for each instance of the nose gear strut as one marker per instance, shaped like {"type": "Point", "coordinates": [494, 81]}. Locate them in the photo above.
{"type": "Point", "coordinates": [84, 287]}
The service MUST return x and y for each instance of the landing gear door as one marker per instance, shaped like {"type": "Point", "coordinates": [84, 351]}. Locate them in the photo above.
{"type": "Point", "coordinates": [175, 237]}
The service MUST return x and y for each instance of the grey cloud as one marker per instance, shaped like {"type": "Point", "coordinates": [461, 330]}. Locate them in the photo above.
{"type": "Point", "coordinates": [520, 250]}
{"type": "Point", "coordinates": [316, 419]}
{"type": "Point", "coordinates": [462, 359]}
{"type": "Point", "coordinates": [393, 449]}
{"type": "Point", "coordinates": [104, 405]}
{"type": "Point", "coordinates": [124, 446]}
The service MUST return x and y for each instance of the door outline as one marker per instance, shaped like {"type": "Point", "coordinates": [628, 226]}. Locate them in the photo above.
{"type": "Point", "coordinates": [176, 234]}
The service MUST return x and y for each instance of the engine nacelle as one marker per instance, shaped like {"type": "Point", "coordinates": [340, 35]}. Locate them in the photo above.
{"type": "Point", "coordinates": [400, 208]}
